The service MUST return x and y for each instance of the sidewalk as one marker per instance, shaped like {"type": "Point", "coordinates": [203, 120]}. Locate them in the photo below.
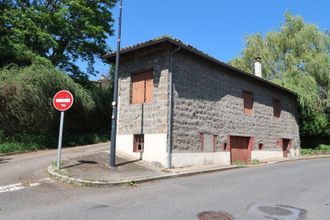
{"type": "Point", "coordinates": [93, 170]}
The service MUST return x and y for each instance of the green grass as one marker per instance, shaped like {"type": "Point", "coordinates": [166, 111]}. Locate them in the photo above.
{"type": "Point", "coordinates": [255, 161]}
{"type": "Point", "coordinates": [25, 143]}
{"type": "Point", "coordinates": [131, 183]}
{"type": "Point", "coordinates": [239, 163]}
{"type": "Point", "coordinates": [18, 147]}
{"type": "Point", "coordinates": [324, 147]}
{"type": "Point", "coordinates": [321, 149]}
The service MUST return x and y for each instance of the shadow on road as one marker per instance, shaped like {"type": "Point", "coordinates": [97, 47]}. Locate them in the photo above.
{"type": "Point", "coordinates": [80, 162]}
{"type": "Point", "coordinates": [128, 162]}
{"type": "Point", "coordinates": [4, 160]}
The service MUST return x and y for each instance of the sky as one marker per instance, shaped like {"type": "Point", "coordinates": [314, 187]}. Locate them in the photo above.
{"type": "Point", "coordinates": [216, 27]}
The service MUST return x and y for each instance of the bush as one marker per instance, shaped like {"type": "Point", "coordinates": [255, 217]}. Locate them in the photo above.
{"type": "Point", "coordinates": [26, 99]}
{"type": "Point", "coordinates": [323, 147]}
{"type": "Point", "coordinates": [28, 118]}
{"type": "Point", "coordinates": [308, 152]}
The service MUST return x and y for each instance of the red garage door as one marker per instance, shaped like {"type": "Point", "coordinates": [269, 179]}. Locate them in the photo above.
{"type": "Point", "coordinates": [239, 150]}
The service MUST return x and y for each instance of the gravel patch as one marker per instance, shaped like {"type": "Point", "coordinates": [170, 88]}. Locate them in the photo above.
{"type": "Point", "coordinates": [96, 168]}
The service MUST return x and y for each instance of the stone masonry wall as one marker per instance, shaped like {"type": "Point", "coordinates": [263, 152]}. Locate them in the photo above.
{"type": "Point", "coordinates": [209, 100]}
{"type": "Point", "coordinates": [147, 118]}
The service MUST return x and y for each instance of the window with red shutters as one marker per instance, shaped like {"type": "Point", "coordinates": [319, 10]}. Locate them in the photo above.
{"type": "Point", "coordinates": [277, 108]}
{"type": "Point", "coordinates": [138, 143]}
{"type": "Point", "coordinates": [248, 102]}
{"type": "Point", "coordinates": [142, 87]}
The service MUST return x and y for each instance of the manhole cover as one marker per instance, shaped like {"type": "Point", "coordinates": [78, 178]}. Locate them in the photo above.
{"type": "Point", "coordinates": [278, 212]}
{"type": "Point", "coordinates": [209, 215]}
{"type": "Point", "coordinates": [271, 210]}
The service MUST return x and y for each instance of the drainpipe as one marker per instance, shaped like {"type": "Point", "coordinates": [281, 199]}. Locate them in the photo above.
{"type": "Point", "coordinates": [168, 164]}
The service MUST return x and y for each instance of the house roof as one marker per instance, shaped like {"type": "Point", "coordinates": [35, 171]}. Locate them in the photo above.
{"type": "Point", "coordinates": [110, 57]}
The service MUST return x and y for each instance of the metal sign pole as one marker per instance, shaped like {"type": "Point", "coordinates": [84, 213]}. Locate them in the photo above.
{"type": "Point", "coordinates": [59, 146]}
{"type": "Point", "coordinates": [112, 161]}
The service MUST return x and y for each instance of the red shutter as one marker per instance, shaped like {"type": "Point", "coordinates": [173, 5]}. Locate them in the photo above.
{"type": "Point", "coordinates": [137, 92]}
{"type": "Point", "coordinates": [149, 90]}
{"type": "Point", "coordinates": [142, 87]}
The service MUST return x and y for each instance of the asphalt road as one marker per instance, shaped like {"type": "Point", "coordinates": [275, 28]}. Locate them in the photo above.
{"type": "Point", "coordinates": [31, 167]}
{"type": "Point", "coordinates": [291, 190]}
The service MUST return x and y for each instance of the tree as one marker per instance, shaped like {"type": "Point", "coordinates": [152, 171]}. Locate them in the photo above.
{"type": "Point", "coordinates": [296, 56]}
{"type": "Point", "coordinates": [62, 31]}
{"type": "Point", "coordinates": [26, 100]}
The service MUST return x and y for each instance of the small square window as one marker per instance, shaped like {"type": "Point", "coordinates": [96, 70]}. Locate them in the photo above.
{"type": "Point", "coordinates": [138, 144]}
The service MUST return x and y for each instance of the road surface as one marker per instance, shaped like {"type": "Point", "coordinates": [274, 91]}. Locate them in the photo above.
{"type": "Point", "coordinates": [31, 167]}
{"type": "Point", "coordinates": [290, 190]}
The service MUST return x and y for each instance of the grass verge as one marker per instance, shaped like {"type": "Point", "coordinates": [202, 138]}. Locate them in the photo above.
{"type": "Point", "coordinates": [18, 147]}
{"type": "Point", "coordinates": [321, 149]}
{"type": "Point", "coordinates": [25, 143]}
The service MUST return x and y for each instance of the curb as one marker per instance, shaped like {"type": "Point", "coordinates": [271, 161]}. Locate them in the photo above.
{"type": "Point", "coordinates": [302, 158]}
{"type": "Point", "coordinates": [89, 183]}
{"type": "Point", "coordinates": [48, 149]}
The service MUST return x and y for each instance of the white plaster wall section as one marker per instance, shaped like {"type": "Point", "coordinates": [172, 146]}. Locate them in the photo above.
{"type": "Point", "coordinates": [190, 159]}
{"type": "Point", "coordinates": [155, 148]}
{"type": "Point", "coordinates": [264, 155]}
{"type": "Point", "coordinates": [118, 113]}
{"type": "Point", "coordinates": [294, 152]}
{"type": "Point", "coordinates": [125, 143]}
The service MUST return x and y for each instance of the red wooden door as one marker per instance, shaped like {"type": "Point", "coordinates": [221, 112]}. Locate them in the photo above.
{"type": "Point", "coordinates": [239, 150]}
{"type": "Point", "coordinates": [285, 147]}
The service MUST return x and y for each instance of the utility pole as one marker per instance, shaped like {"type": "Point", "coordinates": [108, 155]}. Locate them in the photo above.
{"type": "Point", "coordinates": [115, 97]}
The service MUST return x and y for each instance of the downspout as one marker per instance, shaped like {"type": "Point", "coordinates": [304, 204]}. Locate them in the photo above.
{"type": "Point", "coordinates": [170, 110]}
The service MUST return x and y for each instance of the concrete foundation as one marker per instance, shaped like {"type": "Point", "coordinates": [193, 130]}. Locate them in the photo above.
{"type": "Point", "coordinates": [191, 159]}
{"type": "Point", "coordinates": [154, 148]}
{"type": "Point", "coordinates": [265, 155]}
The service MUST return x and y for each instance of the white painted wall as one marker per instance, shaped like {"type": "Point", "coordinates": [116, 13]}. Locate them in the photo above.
{"type": "Point", "coordinates": [190, 159]}
{"type": "Point", "coordinates": [154, 147]}
{"type": "Point", "coordinates": [125, 144]}
{"type": "Point", "coordinates": [294, 152]}
{"type": "Point", "coordinates": [265, 155]}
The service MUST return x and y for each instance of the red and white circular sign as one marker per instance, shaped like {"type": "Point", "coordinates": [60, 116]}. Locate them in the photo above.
{"type": "Point", "coordinates": [63, 100]}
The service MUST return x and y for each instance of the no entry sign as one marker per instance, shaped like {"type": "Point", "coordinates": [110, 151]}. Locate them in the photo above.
{"type": "Point", "coordinates": [63, 100]}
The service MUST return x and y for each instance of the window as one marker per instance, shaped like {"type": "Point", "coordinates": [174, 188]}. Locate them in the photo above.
{"type": "Point", "coordinates": [248, 102]}
{"type": "Point", "coordinates": [277, 108]}
{"type": "Point", "coordinates": [260, 146]}
{"type": "Point", "coordinates": [142, 87]}
{"type": "Point", "coordinates": [138, 143]}
{"type": "Point", "coordinates": [208, 142]}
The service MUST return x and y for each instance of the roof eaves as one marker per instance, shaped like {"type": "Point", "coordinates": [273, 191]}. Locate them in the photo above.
{"type": "Point", "coordinates": [197, 52]}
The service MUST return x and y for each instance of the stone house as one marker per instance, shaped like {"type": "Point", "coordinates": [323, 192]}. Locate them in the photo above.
{"type": "Point", "coordinates": [179, 107]}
